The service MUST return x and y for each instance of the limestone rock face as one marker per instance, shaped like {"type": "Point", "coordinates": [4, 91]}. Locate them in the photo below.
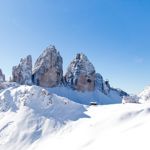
{"type": "Point", "coordinates": [2, 76]}
{"type": "Point", "coordinates": [99, 83]}
{"type": "Point", "coordinates": [81, 74]}
{"type": "Point", "coordinates": [48, 69]}
{"type": "Point", "coordinates": [102, 85]}
{"type": "Point", "coordinates": [22, 73]}
{"type": "Point", "coordinates": [107, 87]}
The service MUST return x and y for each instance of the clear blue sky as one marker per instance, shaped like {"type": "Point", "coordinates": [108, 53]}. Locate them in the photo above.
{"type": "Point", "coordinates": [114, 34]}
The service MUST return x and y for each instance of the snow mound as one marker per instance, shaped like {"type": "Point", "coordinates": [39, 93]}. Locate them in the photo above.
{"type": "Point", "coordinates": [31, 96]}
{"type": "Point", "coordinates": [35, 98]}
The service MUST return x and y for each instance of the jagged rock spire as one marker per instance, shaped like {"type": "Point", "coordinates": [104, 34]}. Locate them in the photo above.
{"type": "Point", "coordinates": [81, 74]}
{"type": "Point", "coordinates": [99, 82]}
{"type": "Point", "coordinates": [22, 73]}
{"type": "Point", "coordinates": [2, 76]}
{"type": "Point", "coordinates": [48, 69]}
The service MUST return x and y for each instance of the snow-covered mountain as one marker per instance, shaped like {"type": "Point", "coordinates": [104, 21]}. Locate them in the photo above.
{"type": "Point", "coordinates": [142, 97]}
{"type": "Point", "coordinates": [81, 83]}
{"type": "Point", "coordinates": [42, 109]}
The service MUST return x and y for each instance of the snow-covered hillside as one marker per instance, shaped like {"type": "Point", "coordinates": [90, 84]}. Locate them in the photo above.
{"type": "Point", "coordinates": [27, 113]}
{"type": "Point", "coordinates": [118, 127]}
{"type": "Point", "coordinates": [33, 119]}
{"type": "Point", "coordinates": [86, 97]}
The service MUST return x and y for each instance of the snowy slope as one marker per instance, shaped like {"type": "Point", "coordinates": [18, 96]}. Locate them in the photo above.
{"type": "Point", "coordinates": [33, 119]}
{"type": "Point", "coordinates": [27, 113]}
{"type": "Point", "coordinates": [87, 97]}
{"type": "Point", "coordinates": [118, 127]}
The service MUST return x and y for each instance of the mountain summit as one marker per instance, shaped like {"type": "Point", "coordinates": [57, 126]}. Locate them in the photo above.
{"type": "Point", "coordinates": [81, 74]}
{"type": "Point", "coordinates": [48, 70]}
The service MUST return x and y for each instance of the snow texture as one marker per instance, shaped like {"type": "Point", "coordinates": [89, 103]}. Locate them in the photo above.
{"type": "Point", "coordinates": [28, 113]}
{"type": "Point", "coordinates": [88, 96]}
{"type": "Point", "coordinates": [33, 118]}
{"type": "Point", "coordinates": [118, 127]}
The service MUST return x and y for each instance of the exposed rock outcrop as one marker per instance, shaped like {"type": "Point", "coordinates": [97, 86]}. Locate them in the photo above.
{"type": "Point", "coordinates": [81, 74]}
{"type": "Point", "coordinates": [22, 73]}
{"type": "Point", "coordinates": [120, 92]}
{"type": "Point", "coordinates": [2, 76]}
{"type": "Point", "coordinates": [104, 87]}
{"type": "Point", "coordinates": [99, 83]}
{"type": "Point", "coordinates": [48, 69]}
{"type": "Point", "coordinates": [107, 87]}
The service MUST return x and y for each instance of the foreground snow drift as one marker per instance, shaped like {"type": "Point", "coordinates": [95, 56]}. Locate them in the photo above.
{"type": "Point", "coordinates": [28, 113]}
{"type": "Point", "coordinates": [118, 127]}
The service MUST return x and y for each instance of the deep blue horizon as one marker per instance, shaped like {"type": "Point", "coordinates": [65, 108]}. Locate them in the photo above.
{"type": "Point", "coordinates": [114, 34]}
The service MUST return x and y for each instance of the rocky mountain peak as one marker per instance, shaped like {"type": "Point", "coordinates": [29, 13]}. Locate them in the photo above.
{"type": "Point", "coordinates": [81, 74]}
{"type": "Point", "coordinates": [48, 68]}
{"type": "Point", "coordinates": [23, 72]}
{"type": "Point", "coordinates": [2, 76]}
{"type": "Point", "coordinates": [49, 49]}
